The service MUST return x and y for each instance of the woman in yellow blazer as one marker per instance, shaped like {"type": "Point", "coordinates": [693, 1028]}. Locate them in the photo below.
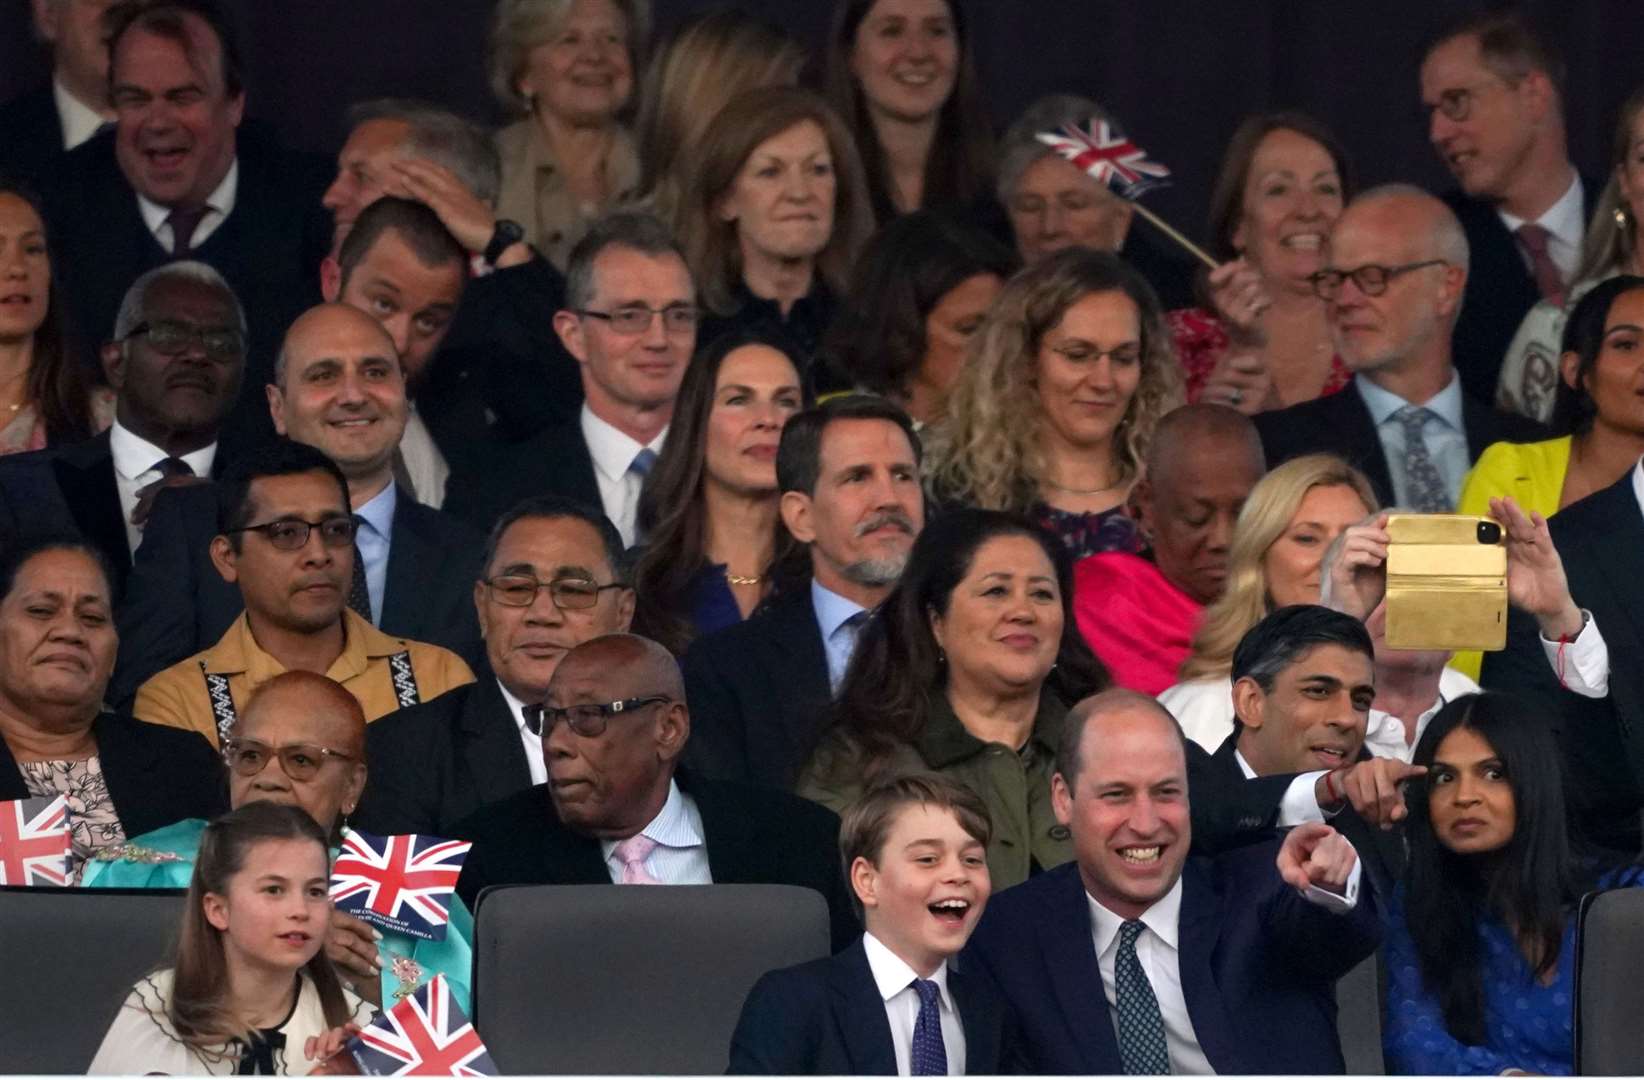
{"type": "Point", "coordinates": [1600, 401]}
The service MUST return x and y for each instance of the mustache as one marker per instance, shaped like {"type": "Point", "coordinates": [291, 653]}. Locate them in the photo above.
{"type": "Point", "coordinates": [879, 521]}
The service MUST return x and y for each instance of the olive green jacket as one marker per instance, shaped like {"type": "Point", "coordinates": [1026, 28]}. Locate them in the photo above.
{"type": "Point", "coordinates": [1014, 785]}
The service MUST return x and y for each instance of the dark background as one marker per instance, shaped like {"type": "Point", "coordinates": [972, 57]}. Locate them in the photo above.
{"type": "Point", "coordinates": [1178, 73]}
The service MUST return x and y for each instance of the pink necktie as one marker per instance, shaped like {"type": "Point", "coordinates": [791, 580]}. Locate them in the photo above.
{"type": "Point", "coordinates": [1549, 282]}
{"type": "Point", "coordinates": [632, 853]}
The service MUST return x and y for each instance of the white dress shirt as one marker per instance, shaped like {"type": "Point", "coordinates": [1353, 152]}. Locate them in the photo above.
{"type": "Point", "coordinates": [894, 978]}
{"type": "Point", "coordinates": [1566, 225]}
{"type": "Point", "coordinates": [134, 469]}
{"type": "Point", "coordinates": [613, 452]}
{"type": "Point", "coordinates": [1444, 433]}
{"type": "Point", "coordinates": [425, 466]}
{"type": "Point", "coordinates": [374, 540]}
{"type": "Point", "coordinates": [681, 854]}
{"type": "Point", "coordinates": [1384, 734]}
{"type": "Point", "coordinates": [219, 204]}
{"type": "Point", "coordinates": [838, 640]}
{"type": "Point", "coordinates": [78, 120]}
{"type": "Point", "coordinates": [530, 739]}
{"type": "Point", "coordinates": [1301, 799]}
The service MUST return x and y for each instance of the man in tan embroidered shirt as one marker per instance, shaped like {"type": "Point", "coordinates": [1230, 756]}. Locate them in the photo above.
{"type": "Point", "coordinates": [286, 538]}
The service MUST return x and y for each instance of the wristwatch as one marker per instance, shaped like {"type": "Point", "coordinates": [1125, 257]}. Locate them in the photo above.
{"type": "Point", "coordinates": [504, 236]}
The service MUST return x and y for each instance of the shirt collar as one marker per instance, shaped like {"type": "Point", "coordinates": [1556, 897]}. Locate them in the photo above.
{"type": "Point", "coordinates": [677, 825]}
{"type": "Point", "coordinates": [378, 511]}
{"type": "Point", "coordinates": [1244, 766]}
{"type": "Point", "coordinates": [1638, 483]}
{"type": "Point", "coordinates": [237, 651]}
{"type": "Point", "coordinates": [220, 200]}
{"type": "Point", "coordinates": [891, 974]}
{"type": "Point", "coordinates": [135, 455]}
{"type": "Point", "coordinates": [612, 450]}
{"type": "Point", "coordinates": [1564, 219]}
{"type": "Point", "coordinates": [831, 609]}
{"type": "Point", "coordinates": [515, 706]}
{"type": "Point", "coordinates": [1162, 918]}
{"type": "Point", "coordinates": [78, 120]}
{"type": "Point", "coordinates": [1383, 403]}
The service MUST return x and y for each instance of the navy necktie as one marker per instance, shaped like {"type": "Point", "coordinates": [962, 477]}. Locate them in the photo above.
{"type": "Point", "coordinates": [1141, 1026]}
{"type": "Point", "coordinates": [930, 1055]}
{"type": "Point", "coordinates": [359, 594]}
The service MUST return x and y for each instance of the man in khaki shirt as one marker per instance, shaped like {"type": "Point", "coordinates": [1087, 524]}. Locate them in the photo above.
{"type": "Point", "coordinates": [286, 538]}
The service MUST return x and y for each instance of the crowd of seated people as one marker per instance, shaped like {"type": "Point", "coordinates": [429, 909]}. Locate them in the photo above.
{"type": "Point", "coordinates": [742, 468]}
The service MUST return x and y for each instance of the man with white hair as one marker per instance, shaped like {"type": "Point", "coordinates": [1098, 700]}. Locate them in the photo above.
{"type": "Point", "coordinates": [1398, 269]}
{"type": "Point", "coordinates": [175, 362]}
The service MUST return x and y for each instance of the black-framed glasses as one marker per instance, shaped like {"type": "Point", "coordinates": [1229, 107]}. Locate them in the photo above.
{"type": "Point", "coordinates": [1457, 103]}
{"type": "Point", "coordinates": [299, 761]}
{"type": "Point", "coordinates": [291, 534]}
{"type": "Point", "coordinates": [590, 720]}
{"type": "Point", "coordinates": [172, 338]}
{"type": "Point", "coordinates": [1371, 280]}
{"type": "Point", "coordinates": [636, 318]}
{"type": "Point", "coordinates": [568, 593]}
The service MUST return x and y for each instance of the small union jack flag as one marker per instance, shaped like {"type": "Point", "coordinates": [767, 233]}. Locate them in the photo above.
{"type": "Point", "coordinates": [401, 883]}
{"type": "Point", "coordinates": [34, 842]}
{"type": "Point", "coordinates": [427, 1034]}
{"type": "Point", "coordinates": [1110, 158]}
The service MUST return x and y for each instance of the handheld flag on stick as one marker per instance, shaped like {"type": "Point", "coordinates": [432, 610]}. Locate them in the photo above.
{"type": "Point", "coordinates": [427, 1034]}
{"type": "Point", "coordinates": [400, 883]}
{"type": "Point", "coordinates": [1119, 164]}
{"type": "Point", "coordinates": [34, 842]}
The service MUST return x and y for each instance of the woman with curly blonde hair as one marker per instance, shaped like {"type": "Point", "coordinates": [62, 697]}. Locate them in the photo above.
{"type": "Point", "coordinates": [1287, 524]}
{"type": "Point", "coordinates": [1064, 384]}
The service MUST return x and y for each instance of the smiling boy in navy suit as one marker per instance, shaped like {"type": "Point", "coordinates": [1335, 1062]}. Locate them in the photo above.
{"type": "Point", "coordinates": [915, 851]}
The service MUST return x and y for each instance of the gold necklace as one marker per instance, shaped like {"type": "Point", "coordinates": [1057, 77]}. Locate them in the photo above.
{"type": "Point", "coordinates": [738, 579]}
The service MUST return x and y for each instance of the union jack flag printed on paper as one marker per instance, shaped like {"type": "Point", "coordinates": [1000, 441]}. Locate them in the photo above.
{"type": "Point", "coordinates": [1110, 158]}
{"type": "Point", "coordinates": [34, 842]}
{"type": "Point", "coordinates": [400, 883]}
{"type": "Point", "coordinates": [427, 1034]}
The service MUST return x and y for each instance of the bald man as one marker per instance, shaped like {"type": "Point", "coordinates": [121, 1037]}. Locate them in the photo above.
{"type": "Point", "coordinates": [339, 387]}
{"type": "Point", "coordinates": [1135, 958]}
{"type": "Point", "coordinates": [1139, 612]}
{"type": "Point", "coordinates": [618, 809]}
{"type": "Point", "coordinates": [1394, 285]}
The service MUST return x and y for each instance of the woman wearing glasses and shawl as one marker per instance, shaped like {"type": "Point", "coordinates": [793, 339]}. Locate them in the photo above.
{"type": "Point", "coordinates": [57, 645]}
{"type": "Point", "coordinates": [300, 740]}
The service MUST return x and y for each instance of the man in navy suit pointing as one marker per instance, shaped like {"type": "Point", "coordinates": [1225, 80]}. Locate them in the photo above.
{"type": "Point", "coordinates": [1135, 958]}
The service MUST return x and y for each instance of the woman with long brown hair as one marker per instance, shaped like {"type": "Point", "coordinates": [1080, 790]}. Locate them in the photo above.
{"type": "Point", "coordinates": [250, 990]}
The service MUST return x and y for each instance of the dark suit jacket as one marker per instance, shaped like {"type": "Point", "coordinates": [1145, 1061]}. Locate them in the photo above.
{"type": "Point", "coordinates": [156, 775]}
{"type": "Point", "coordinates": [1258, 967]}
{"type": "Point", "coordinates": [1601, 539]}
{"type": "Point", "coordinates": [826, 1018]}
{"type": "Point", "coordinates": [1500, 290]}
{"type": "Point", "coordinates": [436, 763]}
{"type": "Point", "coordinates": [554, 461]}
{"type": "Point", "coordinates": [177, 604]}
{"type": "Point", "coordinates": [754, 837]}
{"type": "Point", "coordinates": [31, 135]}
{"type": "Point", "coordinates": [1341, 424]}
{"type": "Point", "coordinates": [1380, 850]}
{"type": "Point", "coordinates": [268, 249]}
{"type": "Point", "coordinates": [759, 693]}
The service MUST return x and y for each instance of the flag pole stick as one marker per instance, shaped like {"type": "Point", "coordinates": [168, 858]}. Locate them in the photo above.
{"type": "Point", "coordinates": [1159, 223]}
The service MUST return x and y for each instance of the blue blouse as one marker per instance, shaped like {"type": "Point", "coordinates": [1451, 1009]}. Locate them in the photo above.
{"type": "Point", "coordinates": [713, 605]}
{"type": "Point", "coordinates": [1526, 1025]}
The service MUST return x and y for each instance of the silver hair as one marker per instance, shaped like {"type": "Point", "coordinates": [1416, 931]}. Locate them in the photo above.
{"type": "Point", "coordinates": [1446, 240]}
{"type": "Point", "coordinates": [521, 25]}
{"type": "Point", "coordinates": [1020, 148]}
{"type": "Point", "coordinates": [442, 137]}
{"type": "Point", "coordinates": [630, 229]}
{"type": "Point", "coordinates": [133, 308]}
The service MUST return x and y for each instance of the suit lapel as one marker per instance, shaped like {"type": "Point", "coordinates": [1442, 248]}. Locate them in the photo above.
{"type": "Point", "coordinates": [404, 583]}
{"type": "Point", "coordinates": [733, 855]}
{"type": "Point", "coordinates": [1359, 430]}
{"type": "Point", "coordinates": [1069, 954]}
{"type": "Point", "coordinates": [1199, 928]}
{"type": "Point", "coordinates": [980, 1024]}
{"type": "Point", "coordinates": [859, 1012]}
{"type": "Point", "coordinates": [1614, 546]}
{"type": "Point", "coordinates": [491, 746]}
{"type": "Point", "coordinates": [85, 476]}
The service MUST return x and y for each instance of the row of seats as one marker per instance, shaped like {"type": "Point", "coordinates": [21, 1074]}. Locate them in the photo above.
{"type": "Point", "coordinates": [600, 979]}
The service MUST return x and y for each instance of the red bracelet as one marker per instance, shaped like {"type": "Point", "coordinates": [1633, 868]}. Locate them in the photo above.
{"type": "Point", "coordinates": [1558, 660]}
{"type": "Point", "coordinates": [1330, 788]}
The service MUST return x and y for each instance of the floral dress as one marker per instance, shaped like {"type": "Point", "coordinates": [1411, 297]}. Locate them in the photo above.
{"type": "Point", "coordinates": [93, 824]}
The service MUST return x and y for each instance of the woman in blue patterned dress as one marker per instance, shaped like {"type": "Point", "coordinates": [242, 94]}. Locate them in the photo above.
{"type": "Point", "coordinates": [1480, 950]}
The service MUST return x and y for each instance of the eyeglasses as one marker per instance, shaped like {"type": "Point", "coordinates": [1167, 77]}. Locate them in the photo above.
{"type": "Point", "coordinates": [1371, 280]}
{"type": "Point", "coordinates": [589, 721]}
{"type": "Point", "coordinates": [299, 761]}
{"type": "Point", "coordinates": [172, 338]}
{"type": "Point", "coordinates": [569, 594]}
{"type": "Point", "coordinates": [291, 534]}
{"type": "Point", "coordinates": [1457, 104]}
{"type": "Point", "coordinates": [636, 318]}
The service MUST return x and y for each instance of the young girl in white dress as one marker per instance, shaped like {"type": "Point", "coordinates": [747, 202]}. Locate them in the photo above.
{"type": "Point", "coordinates": [250, 990]}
